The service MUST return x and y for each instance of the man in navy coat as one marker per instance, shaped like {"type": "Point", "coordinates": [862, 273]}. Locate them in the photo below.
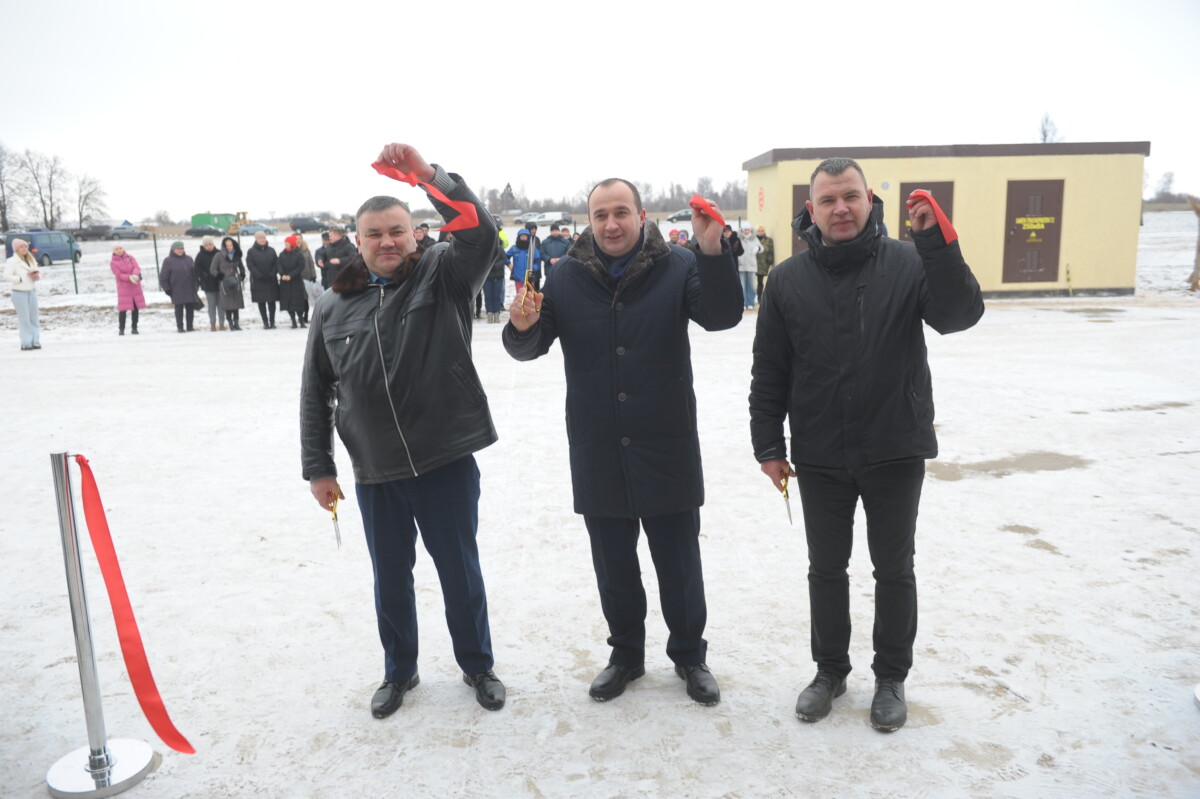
{"type": "Point", "coordinates": [620, 303]}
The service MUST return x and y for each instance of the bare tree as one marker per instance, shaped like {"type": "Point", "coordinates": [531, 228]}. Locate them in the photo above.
{"type": "Point", "coordinates": [9, 186]}
{"type": "Point", "coordinates": [1047, 130]}
{"type": "Point", "coordinates": [89, 199]}
{"type": "Point", "coordinates": [47, 179]}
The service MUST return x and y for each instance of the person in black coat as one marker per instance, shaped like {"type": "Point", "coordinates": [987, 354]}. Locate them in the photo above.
{"type": "Point", "coordinates": [840, 351]}
{"type": "Point", "coordinates": [620, 305]}
{"type": "Point", "coordinates": [263, 264]}
{"type": "Point", "coordinates": [293, 297]}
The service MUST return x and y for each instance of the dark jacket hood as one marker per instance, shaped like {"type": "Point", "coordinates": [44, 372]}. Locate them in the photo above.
{"type": "Point", "coordinates": [853, 252]}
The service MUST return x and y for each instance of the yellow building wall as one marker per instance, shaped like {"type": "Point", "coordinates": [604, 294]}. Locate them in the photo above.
{"type": "Point", "coordinates": [1100, 218]}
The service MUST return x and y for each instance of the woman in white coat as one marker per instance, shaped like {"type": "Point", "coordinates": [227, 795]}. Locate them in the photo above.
{"type": "Point", "coordinates": [23, 273]}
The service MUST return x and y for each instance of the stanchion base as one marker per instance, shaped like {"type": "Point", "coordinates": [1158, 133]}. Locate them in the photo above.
{"type": "Point", "coordinates": [132, 761]}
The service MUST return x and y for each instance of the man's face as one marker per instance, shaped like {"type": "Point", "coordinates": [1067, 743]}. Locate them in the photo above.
{"type": "Point", "coordinates": [616, 221]}
{"type": "Point", "coordinates": [208, 245]}
{"type": "Point", "coordinates": [840, 205]}
{"type": "Point", "coordinates": [385, 239]}
{"type": "Point", "coordinates": [260, 238]}
{"type": "Point", "coordinates": [334, 237]}
{"type": "Point", "coordinates": [420, 233]}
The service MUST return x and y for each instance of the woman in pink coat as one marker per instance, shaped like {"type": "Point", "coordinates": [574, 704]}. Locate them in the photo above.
{"type": "Point", "coordinates": [129, 287]}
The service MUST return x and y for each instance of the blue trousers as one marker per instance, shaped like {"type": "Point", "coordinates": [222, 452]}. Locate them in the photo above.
{"type": "Point", "coordinates": [674, 542]}
{"type": "Point", "coordinates": [444, 506]}
{"type": "Point", "coordinates": [749, 289]}
{"type": "Point", "coordinates": [27, 317]}
{"type": "Point", "coordinates": [493, 295]}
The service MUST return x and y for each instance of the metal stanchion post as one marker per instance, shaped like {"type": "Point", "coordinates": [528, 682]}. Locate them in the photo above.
{"type": "Point", "coordinates": [103, 767]}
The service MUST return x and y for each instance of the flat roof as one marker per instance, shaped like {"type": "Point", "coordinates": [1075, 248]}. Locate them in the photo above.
{"type": "Point", "coordinates": [771, 157]}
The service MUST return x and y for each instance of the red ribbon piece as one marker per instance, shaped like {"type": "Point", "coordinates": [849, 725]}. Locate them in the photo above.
{"type": "Point", "coordinates": [948, 231]}
{"type": "Point", "coordinates": [127, 629]}
{"type": "Point", "coordinates": [705, 207]}
{"type": "Point", "coordinates": [467, 216]}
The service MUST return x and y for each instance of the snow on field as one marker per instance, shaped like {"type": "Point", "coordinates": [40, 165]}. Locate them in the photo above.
{"type": "Point", "coordinates": [1058, 550]}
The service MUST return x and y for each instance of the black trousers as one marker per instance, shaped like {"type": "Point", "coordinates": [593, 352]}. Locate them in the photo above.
{"type": "Point", "coordinates": [121, 320]}
{"type": "Point", "coordinates": [267, 311]}
{"type": "Point", "coordinates": [674, 542]}
{"type": "Point", "coordinates": [180, 310]}
{"type": "Point", "coordinates": [890, 496]}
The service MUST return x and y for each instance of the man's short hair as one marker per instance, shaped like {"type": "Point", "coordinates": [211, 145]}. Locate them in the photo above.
{"type": "Point", "coordinates": [424, 225]}
{"type": "Point", "coordinates": [553, 226]}
{"type": "Point", "coordinates": [604, 184]}
{"type": "Point", "coordinates": [380, 202]}
{"type": "Point", "coordinates": [836, 166]}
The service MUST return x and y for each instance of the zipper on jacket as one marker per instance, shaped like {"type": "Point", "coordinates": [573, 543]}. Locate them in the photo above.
{"type": "Point", "coordinates": [862, 325]}
{"type": "Point", "coordinates": [387, 390]}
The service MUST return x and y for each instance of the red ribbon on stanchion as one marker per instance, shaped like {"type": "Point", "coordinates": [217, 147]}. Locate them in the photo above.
{"type": "Point", "coordinates": [127, 630]}
{"type": "Point", "coordinates": [467, 217]}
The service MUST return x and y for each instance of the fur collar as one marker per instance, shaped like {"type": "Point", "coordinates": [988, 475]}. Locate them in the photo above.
{"type": "Point", "coordinates": [653, 248]}
{"type": "Point", "coordinates": [355, 277]}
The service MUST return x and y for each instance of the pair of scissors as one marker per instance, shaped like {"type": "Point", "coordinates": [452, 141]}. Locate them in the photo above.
{"type": "Point", "coordinates": [528, 280]}
{"type": "Point", "coordinates": [333, 503]}
{"type": "Point", "coordinates": [787, 500]}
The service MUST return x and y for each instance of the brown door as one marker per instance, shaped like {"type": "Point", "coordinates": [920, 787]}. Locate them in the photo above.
{"type": "Point", "coordinates": [943, 192]}
{"type": "Point", "coordinates": [799, 198]}
{"type": "Point", "coordinates": [1034, 223]}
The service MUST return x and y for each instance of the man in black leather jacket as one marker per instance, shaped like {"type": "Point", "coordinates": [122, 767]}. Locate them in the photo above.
{"type": "Point", "coordinates": [840, 351]}
{"type": "Point", "coordinates": [389, 363]}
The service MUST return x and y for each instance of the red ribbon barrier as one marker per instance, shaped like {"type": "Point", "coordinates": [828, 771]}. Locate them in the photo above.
{"type": "Point", "coordinates": [467, 216]}
{"type": "Point", "coordinates": [705, 207]}
{"type": "Point", "coordinates": [127, 629]}
{"type": "Point", "coordinates": [948, 231]}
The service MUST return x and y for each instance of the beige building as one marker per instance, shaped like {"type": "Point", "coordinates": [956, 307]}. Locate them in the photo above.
{"type": "Point", "coordinates": [1033, 219]}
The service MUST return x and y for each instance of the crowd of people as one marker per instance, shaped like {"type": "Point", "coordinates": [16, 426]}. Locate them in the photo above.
{"type": "Point", "coordinates": [291, 280]}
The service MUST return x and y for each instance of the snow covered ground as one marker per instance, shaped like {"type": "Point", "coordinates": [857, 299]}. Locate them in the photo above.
{"type": "Point", "coordinates": [1058, 553]}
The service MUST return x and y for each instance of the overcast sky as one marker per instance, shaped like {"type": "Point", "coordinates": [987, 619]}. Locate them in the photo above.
{"type": "Point", "coordinates": [280, 107]}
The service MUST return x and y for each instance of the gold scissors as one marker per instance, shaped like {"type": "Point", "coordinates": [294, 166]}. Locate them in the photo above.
{"type": "Point", "coordinates": [333, 503]}
{"type": "Point", "coordinates": [787, 500]}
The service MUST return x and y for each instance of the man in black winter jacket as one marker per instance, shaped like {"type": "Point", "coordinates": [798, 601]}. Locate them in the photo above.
{"type": "Point", "coordinates": [840, 351]}
{"type": "Point", "coordinates": [620, 306]}
{"type": "Point", "coordinates": [389, 365]}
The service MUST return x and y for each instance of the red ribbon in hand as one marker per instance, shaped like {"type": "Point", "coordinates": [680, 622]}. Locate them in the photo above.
{"type": "Point", "coordinates": [948, 231]}
{"type": "Point", "coordinates": [705, 207]}
{"type": "Point", "coordinates": [467, 216]}
{"type": "Point", "coordinates": [127, 629]}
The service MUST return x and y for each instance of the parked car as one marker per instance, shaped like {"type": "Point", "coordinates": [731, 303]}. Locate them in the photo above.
{"type": "Point", "coordinates": [680, 216]}
{"type": "Point", "coordinates": [204, 230]}
{"type": "Point", "coordinates": [128, 232]}
{"type": "Point", "coordinates": [46, 246]}
{"type": "Point", "coordinates": [528, 216]}
{"type": "Point", "coordinates": [91, 232]}
{"type": "Point", "coordinates": [257, 227]}
{"type": "Point", "coordinates": [550, 217]}
{"type": "Point", "coordinates": [306, 224]}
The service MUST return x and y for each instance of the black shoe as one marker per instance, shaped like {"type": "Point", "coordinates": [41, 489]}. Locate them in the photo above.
{"type": "Point", "coordinates": [120, 332]}
{"type": "Point", "coordinates": [489, 691]}
{"type": "Point", "coordinates": [37, 346]}
{"type": "Point", "coordinates": [701, 685]}
{"type": "Point", "coordinates": [180, 330]}
{"type": "Point", "coordinates": [888, 709]}
{"type": "Point", "coordinates": [390, 696]}
{"type": "Point", "coordinates": [133, 332]}
{"type": "Point", "coordinates": [815, 701]}
{"type": "Point", "coordinates": [612, 681]}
